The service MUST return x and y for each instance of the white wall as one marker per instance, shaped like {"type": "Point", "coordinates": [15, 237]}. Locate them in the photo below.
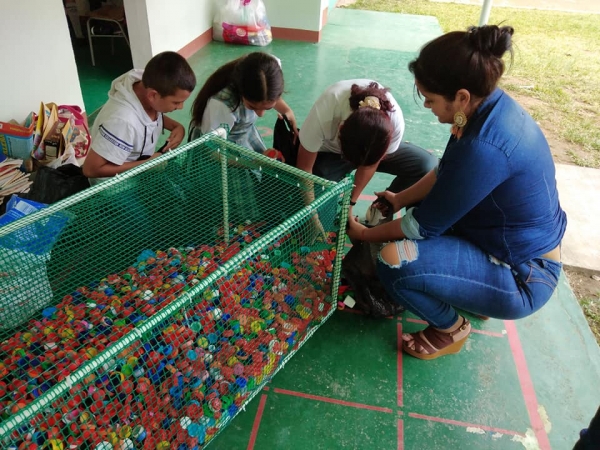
{"type": "Point", "coordinates": [156, 26]}
{"type": "Point", "coordinates": [139, 32]}
{"type": "Point", "coordinates": [38, 63]}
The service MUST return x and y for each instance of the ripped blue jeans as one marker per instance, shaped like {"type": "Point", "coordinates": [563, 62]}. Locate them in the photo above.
{"type": "Point", "coordinates": [437, 275]}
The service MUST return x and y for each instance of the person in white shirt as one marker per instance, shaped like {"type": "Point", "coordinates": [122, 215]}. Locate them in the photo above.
{"type": "Point", "coordinates": [357, 124]}
{"type": "Point", "coordinates": [127, 129]}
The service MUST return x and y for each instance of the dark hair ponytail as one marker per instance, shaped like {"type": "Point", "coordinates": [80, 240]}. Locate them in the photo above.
{"type": "Point", "coordinates": [470, 60]}
{"type": "Point", "coordinates": [367, 132]}
{"type": "Point", "coordinates": [218, 81]}
{"type": "Point", "coordinates": [358, 94]}
{"type": "Point", "coordinates": [257, 77]}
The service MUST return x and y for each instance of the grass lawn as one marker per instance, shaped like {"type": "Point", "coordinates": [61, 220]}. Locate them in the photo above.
{"type": "Point", "coordinates": [555, 74]}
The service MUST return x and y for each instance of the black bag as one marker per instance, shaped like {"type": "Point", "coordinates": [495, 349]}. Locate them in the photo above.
{"type": "Point", "coordinates": [51, 185]}
{"type": "Point", "coordinates": [358, 268]}
{"type": "Point", "coordinates": [283, 140]}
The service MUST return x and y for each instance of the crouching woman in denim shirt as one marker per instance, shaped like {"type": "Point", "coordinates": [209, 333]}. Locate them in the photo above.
{"type": "Point", "coordinates": [486, 235]}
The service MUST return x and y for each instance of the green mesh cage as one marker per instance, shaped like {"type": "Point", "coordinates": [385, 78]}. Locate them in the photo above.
{"type": "Point", "coordinates": [144, 312]}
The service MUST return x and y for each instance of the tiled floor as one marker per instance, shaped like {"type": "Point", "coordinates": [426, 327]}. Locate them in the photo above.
{"type": "Point", "coordinates": [529, 384]}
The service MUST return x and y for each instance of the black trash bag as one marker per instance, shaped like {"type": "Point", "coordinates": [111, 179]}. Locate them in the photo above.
{"type": "Point", "coordinates": [51, 185]}
{"type": "Point", "coordinates": [358, 268]}
{"type": "Point", "coordinates": [284, 140]}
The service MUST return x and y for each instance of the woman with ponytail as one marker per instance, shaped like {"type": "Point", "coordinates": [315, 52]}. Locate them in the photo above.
{"type": "Point", "coordinates": [357, 124]}
{"type": "Point", "coordinates": [237, 94]}
{"type": "Point", "coordinates": [486, 235]}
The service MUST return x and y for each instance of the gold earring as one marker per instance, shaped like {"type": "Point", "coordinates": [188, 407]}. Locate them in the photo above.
{"type": "Point", "coordinates": [460, 120]}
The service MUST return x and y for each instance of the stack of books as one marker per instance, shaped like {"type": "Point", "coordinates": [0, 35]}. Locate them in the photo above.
{"type": "Point", "coordinates": [12, 179]}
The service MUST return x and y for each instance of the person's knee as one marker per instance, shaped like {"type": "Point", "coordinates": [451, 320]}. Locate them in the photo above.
{"type": "Point", "coordinates": [428, 162]}
{"type": "Point", "coordinates": [397, 254]}
{"type": "Point", "coordinates": [423, 161]}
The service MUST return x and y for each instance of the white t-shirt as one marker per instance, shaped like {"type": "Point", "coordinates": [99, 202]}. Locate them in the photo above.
{"type": "Point", "coordinates": [123, 131]}
{"type": "Point", "coordinates": [320, 130]}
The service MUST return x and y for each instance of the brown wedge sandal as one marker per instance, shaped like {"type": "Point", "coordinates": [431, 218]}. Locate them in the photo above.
{"type": "Point", "coordinates": [437, 343]}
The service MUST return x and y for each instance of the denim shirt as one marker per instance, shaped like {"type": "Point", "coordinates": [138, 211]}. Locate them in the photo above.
{"type": "Point", "coordinates": [495, 186]}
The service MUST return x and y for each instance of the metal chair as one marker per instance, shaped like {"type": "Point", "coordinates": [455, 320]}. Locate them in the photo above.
{"type": "Point", "coordinates": [108, 14]}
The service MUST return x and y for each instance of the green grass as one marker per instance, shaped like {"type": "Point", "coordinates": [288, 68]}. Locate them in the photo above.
{"type": "Point", "coordinates": [556, 68]}
{"type": "Point", "coordinates": [591, 310]}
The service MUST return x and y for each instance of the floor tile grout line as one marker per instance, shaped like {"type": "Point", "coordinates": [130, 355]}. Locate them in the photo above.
{"type": "Point", "coordinates": [256, 424]}
{"type": "Point", "coordinates": [464, 424]}
{"type": "Point", "coordinates": [400, 434]}
{"type": "Point", "coordinates": [333, 401]}
{"type": "Point", "coordinates": [399, 412]}
{"type": "Point", "coordinates": [527, 388]}
{"type": "Point", "coordinates": [400, 386]}
{"type": "Point", "coordinates": [366, 197]}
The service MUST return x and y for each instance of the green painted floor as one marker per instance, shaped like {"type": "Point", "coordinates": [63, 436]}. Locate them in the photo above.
{"type": "Point", "coordinates": [529, 384]}
{"type": "Point", "coordinates": [96, 80]}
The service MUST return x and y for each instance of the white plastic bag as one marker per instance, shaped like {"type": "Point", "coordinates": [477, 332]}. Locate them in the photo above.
{"type": "Point", "coordinates": [68, 157]}
{"type": "Point", "coordinates": [242, 22]}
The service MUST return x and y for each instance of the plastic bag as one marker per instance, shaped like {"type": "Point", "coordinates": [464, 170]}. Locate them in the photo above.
{"type": "Point", "coordinates": [77, 134]}
{"type": "Point", "coordinates": [68, 157]}
{"type": "Point", "coordinates": [37, 237]}
{"type": "Point", "coordinates": [61, 125]}
{"type": "Point", "coordinates": [358, 268]}
{"type": "Point", "coordinates": [24, 255]}
{"type": "Point", "coordinates": [242, 22]}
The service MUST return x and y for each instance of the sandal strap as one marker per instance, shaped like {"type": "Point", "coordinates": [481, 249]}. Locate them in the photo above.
{"type": "Point", "coordinates": [463, 327]}
{"type": "Point", "coordinates": [432, 340]}
{"type": "Point", "coordinates": [420, 339]}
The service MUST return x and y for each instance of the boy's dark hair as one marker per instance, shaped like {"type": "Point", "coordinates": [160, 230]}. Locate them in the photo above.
{"type": "Point", "coordinates": [366, 134]}
{"type": "Point", "coordinates": [167, 72]}
{"type": "Point", "coordinates": [470, 60]}
{"type": "Point", "coordinates": [257, 77]}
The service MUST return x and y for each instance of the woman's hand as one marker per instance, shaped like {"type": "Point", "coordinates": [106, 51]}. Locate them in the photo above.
{"type": "Point", "coordinates": [394, 199]}
{"type": "Point", "coordinates": [282, 109]}
{"type": "Point", "coordinates": [292, 118]}
{"type": "Point", "coordinates": [355, 229]}
{"type": "Point", "coordinates": [316, 232]}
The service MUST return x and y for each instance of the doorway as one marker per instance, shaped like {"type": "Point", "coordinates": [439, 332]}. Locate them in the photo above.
{"type": "Point", "coordinates": [112, 54]}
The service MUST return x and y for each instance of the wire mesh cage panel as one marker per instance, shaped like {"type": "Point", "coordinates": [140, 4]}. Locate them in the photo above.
{"type": "Point", "coordinates": [144, 312]}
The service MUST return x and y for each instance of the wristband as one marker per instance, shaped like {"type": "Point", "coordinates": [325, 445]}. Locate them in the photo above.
{"type": "Point", "coordinates": [163, 149]}
{"type": "Point", "coordinates": [352, 203]}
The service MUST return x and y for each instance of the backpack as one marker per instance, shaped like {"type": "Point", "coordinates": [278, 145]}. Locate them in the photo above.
{"type": "Point", "coordinates": [283, 140]}
{"type": "Point", "coordinates": [358, 269]}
